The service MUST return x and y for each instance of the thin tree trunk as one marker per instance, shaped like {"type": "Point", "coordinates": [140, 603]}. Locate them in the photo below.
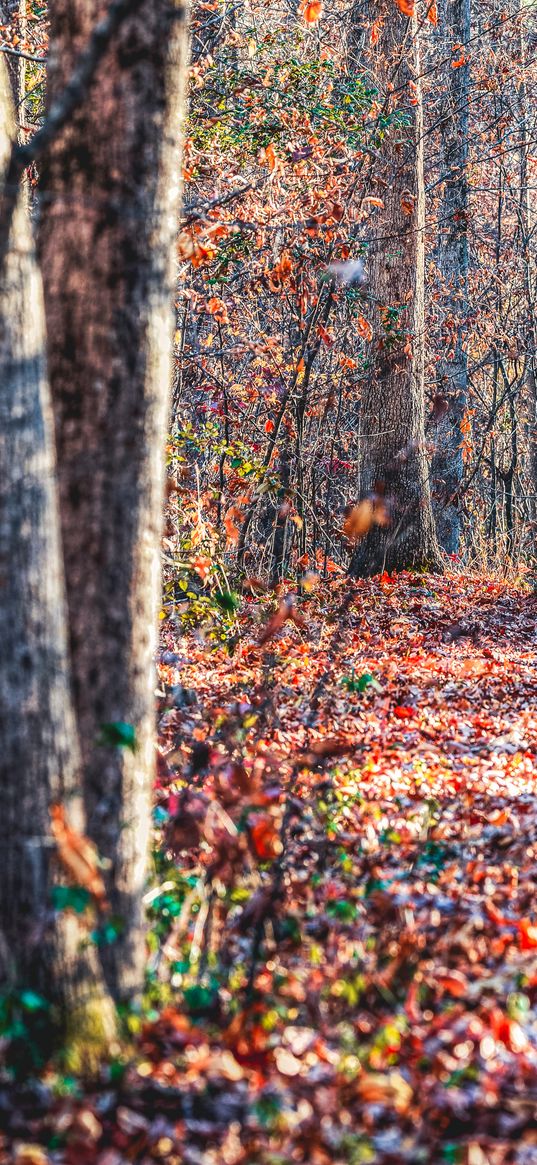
{"type": "Point", "coordinates": [110, 204]}
{"type": "Point", "coordinates": [392, 407]}
{"type": "Point", "coordinates": [12, 14]}
{"type": "Point", "coordinates": [528, 246]}
{"type": "Point", "coordinates": [39, 760]}
{"type": "Point", "coordinates": [452, 264]}
{"type": "Point", "coordinates": [278, 564]}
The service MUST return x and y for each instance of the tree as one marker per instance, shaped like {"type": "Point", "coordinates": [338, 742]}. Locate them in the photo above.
{"type": "Point", "coordinates": [393, 457]}
{"type": "Point", "coordinates": [453, 28]}
{"type": "Point", "coordinates": [527, 230]}
{"type": "Point", "coordinates": [110, 200]}
{"type": "Point", "coordinates": [39, 763]}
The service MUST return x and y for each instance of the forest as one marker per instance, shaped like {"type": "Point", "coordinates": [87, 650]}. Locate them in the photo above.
{"type": "Point", "coordinates": [268, 582]}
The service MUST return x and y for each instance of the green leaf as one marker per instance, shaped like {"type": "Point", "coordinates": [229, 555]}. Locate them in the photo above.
{"type": "Point", "coordinates": [118, 734]}
{"type": "Point", "coordinates": [70, 898]}
{"type": "Point", "coordinates": [104, 935]}
{"type": "Point", "coordinates": [199, 1000]}
{"type": "Point", "coordinates": [227, 600]}
{"type": "Point", "coordinates": [345, 911]}
{"type": "Point", "coordinates": [31, 1001]}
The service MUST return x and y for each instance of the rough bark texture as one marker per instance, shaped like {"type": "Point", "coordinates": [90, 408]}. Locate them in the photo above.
{"type": "Point", "coordinates": [39, 761]}
{"type": "Point", "coordinates": [452, 266]}
{"type": "Point", "coordinates": [109, 217]}
{"type": "Point", "coordinates": [392, 407]}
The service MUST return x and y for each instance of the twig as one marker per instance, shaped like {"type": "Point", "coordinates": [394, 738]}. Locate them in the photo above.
{"type": "Point", "coordinates": [4, 48]}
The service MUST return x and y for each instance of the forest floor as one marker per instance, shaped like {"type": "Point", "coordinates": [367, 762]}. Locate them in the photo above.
{"type": "Point", "coordinates": [344, 943]}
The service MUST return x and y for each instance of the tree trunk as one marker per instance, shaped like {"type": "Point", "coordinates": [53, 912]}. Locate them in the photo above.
{"type": "Point", "coordinates": [110, 206]}
{"type": "Point", "coordinates": [392, 406]}
{"type": "Point", "coordinates": [12, 15]}
{"type": "Point", "coordinates": [527, 243]}
{"type": "Point", "coordinates": [39, 761]}
{"type": "Point", "coordinates": [452, 266]}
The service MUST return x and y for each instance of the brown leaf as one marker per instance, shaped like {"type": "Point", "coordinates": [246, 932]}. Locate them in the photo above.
{"type": "Point", "coordinates": [253, 586]}
{"type": "Point", "coordinates": [358, 520]}
{"type": "Point", "coordinates": [408, 202]}
{"type": "Point", "coordinates": [329, 746]}
{"type": "Point", "coordinates": [286, 610]}
{"type": "Point", "coordinates": [391, 1089]}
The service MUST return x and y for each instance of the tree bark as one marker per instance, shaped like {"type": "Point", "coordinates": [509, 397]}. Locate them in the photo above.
{"type": "Point", "coordinates": [452, 266]}
{"type": "Point", "coordinates": [39, 761]}
{"type": "Point", "coordinates": [110, 206]}
{"type": "Point", "coordinates": [527, 244]}
{"type": "Point", "coordinates": [392, 406]}
{"type": "Point", "coordinates": [12, 11]}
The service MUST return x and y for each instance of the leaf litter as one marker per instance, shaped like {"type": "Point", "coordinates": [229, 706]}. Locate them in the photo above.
{"type": "Point", "coordinates": [343, 945]}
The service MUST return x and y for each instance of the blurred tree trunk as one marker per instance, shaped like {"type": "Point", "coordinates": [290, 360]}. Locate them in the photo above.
{"type": "Point", "coordinates": [110, 204]}
{"type": "Point", "coordinates": [452, 266]}
{"type": "Point", "coordinates": [39, 762]}
{"type": "Point", "coordinates": [392, 406]}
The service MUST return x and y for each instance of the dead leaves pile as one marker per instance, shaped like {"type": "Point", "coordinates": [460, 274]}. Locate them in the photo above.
{"type": "Point", "coordinates": [344, 925]}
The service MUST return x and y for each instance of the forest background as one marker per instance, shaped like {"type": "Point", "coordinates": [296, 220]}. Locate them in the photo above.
{"type": "Point", "coordinates": [351, 372]}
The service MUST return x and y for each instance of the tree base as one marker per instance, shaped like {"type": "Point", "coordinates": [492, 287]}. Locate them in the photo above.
{"type": "Point", "coordinates": [90, 1036]}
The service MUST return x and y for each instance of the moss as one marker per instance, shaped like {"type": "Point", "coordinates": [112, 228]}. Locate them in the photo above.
{"type": "Point", "coordinates": [91, 1035]}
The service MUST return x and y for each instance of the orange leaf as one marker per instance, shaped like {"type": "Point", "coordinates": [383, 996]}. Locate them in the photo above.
{"type": "Point", "coordinates": [311, 10]}
{"type": "Point", "coordinates": [217, 308]}
{"type": "Point", "coordinates": [454, 983]}
{"type": "Point", "coordinates": [233, 515]}
{"type": "Point", "coordinates": [268, 155]}
{"type": "Point", "coordinates": [265, 838]}
{"type": "Point", "coordinates": [359, 520]}
{"type": "Point", "coordinates": [461, 59]}
{"type": "Point", "coordinates": [406, 7]}
{"type": "Point", "coordinates": [78, 856]}
{"type": "Point", "coordinates": [202, 565]}
{"type": "Point", "coordinates": [364, 328]}
{"type": "Point", "coordinates": [432, 14]}
{"type": "Point", "coordinates": [408, 202]}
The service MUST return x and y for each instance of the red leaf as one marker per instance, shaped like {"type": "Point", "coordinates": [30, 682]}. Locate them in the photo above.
{"type": "Point", "coordinates": [404, 712]}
